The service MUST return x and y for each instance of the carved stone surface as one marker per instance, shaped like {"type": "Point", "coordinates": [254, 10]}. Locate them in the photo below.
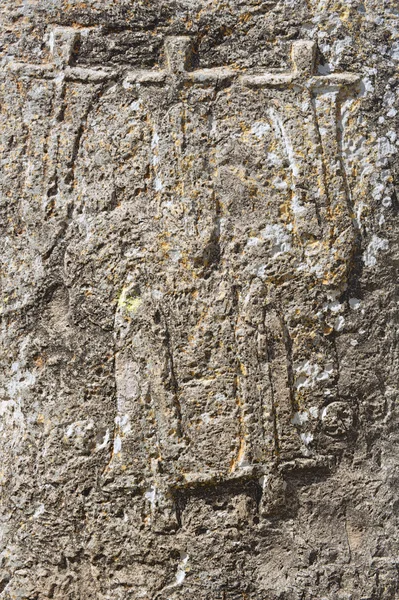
{"type": "Point", "coordinates": [199, 309]}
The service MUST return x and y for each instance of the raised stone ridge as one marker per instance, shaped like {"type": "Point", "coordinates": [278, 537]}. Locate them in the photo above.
{"type": "Point", "coordinates": [178, 58]}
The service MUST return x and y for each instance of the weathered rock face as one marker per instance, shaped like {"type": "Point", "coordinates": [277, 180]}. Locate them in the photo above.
{"type": "Point", "coordinates": [199, 300]}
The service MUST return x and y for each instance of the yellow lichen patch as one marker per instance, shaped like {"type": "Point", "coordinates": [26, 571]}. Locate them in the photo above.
{"type": "Point", "coordinates": [245, 17]}
{"type": "Point", "coordinates": [133, 304]}
{"type": "Point", "coordinates": [240, 456]}
{"type": "Point", "coordinates": [130, 301]}
{"type": "Point", "coordinates": [285, 210]}
{"type": "Point", "coordinates": [165, 247]}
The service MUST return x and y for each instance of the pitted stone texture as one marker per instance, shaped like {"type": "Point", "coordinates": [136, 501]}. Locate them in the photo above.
{"type": "Point", "coordinates": [198, 392]}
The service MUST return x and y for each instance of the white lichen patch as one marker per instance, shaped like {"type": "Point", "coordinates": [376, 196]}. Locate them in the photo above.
{"type": "Point", "coordinates": [79, 429]}
{"type": "Point", "coordinates": [39, 511]}
{"type": "Point", "coordinates": [155, 149]}
{"type": "Point", "coordinates": [158, 184]}
{"type": "Point", "coordinates": [261, 272]}
{"type": "Point", "coordinates": [123, 424]}
{"type": "Point", "coordinates": [135, 106]}
{"type": "Point", "coordinates": [287, 145]}
{"type": "Point", "coordinates": [20, 381]}
{"type": "Point", "coordinates": [339, 323]}
{"type": "Point", "coordinates": [175, 255]}
{"type": "Point", "coordinates": [157, 295]}
{"type": "Point", "coordinates": [122, 428]}
{"type": "Point", "coordinates": [307, 438]}
{"type": "Point", "coordinates": [182, 568]}
{"type": "Point", "coordinates": [376, 245]}
{"type": "Point", "coordinates": [253, 241]}
{"type": "Point", "coordinates": [12, 422]}
{"type": "Point", "coordinates": [298, 209]}
{"type": "Point", "coordinates": [51, 42]}
{"type": "Point", "coordinates": [307, 374]}
{"type": "Point", "coordinates": [117, 444]}
{"type": "Point", "coordinates": [323, 413]}
{"type": "Point", "coordinates": [280, 184]}
{"type": "Point", "coordinates": [206, 418]}
{"type": "Point", "coordinates": [105, 441]}
{"type": "Point", "coordinates": [355, 303]}
{"type": "Point", "coordinates": [334, 306]}
{"type": "Point", "coordinates": [300, 418]}
{"type": "Point", "coordinates": [151, 496]}
{"type": "Point", "coordinates": [279, 238]}
{"type": "Point", "coordinates": [260, 128]}
{"type": "Point", "coordinates": [326, 372]}
{"type": "Point", "coordinates": [155, 141]}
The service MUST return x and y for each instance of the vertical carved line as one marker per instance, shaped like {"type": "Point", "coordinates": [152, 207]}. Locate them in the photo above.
{"type": "Point", "coordinates": [173, 378]}
{"type": "Point", "coordinates": [289, 360]}
{"type": "Point", "coordinates": [321, 154]}
{"type": "Point", "coordinates": [241, 443]}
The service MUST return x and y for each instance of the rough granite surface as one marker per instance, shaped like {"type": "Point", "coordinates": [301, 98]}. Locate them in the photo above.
{"type": "Point", "coordinates": [199, 300]}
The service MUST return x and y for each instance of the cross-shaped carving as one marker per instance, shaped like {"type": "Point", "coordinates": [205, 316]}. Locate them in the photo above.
{"type": "Point", "coordinates": [63, 42]}
{"type": "Point", "coordinates": [178, 58]}
{"type": "Point", "coordinates": [303, 55]}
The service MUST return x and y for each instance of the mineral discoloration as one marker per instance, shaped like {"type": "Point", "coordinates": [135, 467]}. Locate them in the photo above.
{"type": "Point", "coordinates": [198, 302]}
